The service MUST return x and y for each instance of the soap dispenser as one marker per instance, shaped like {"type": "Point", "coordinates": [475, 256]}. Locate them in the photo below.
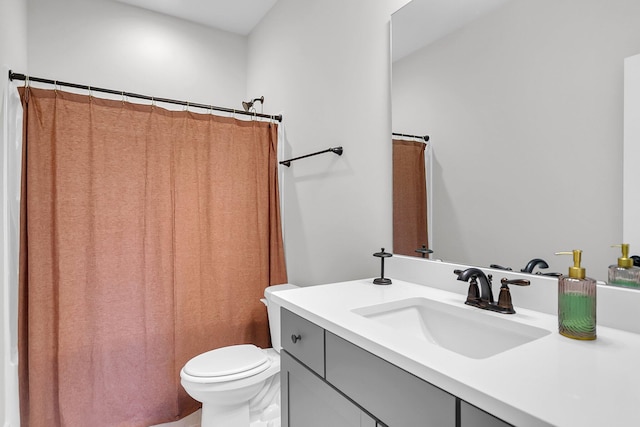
{"type": "Point", "coordinates": [576, 301]}
{"type": "Point", "coordinates": [624, 273]}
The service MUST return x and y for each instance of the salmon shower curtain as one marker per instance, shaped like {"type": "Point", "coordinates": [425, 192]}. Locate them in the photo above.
{"type": "Point", "coordinates": [409, 197]}
{"type": "Point", "coordinates": [148, 237]}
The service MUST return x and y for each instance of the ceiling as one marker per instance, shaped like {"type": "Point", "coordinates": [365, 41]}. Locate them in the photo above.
{"type": "Point", "coordinates": [421, 22]}
{"type": "Point", "coordinates": [414, 25]}
{"type": "Point", "coordinates": [235, 16]}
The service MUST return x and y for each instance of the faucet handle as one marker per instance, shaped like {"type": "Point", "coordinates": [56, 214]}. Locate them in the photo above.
{"type": "Point", "coordinates": [500, 267]}
{"type": "Point", "coordinates": [504, 299]}
{"type": "Point", "coordinates": [473, 293]}
{"type": "Point", "coordinates": [520, 282]}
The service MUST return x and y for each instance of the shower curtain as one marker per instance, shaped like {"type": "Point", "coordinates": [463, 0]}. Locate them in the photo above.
{"type": "Point", "coordinates": [148, 237]}
{"type": "Point", "coordinates": [409, 197]}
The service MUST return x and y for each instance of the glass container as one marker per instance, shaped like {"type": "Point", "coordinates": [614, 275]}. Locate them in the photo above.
{"type": "Point", "coordinates": [577, 302]}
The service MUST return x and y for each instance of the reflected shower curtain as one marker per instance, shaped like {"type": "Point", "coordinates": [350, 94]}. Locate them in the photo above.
{"type": "Point", "coordinates": [148, 237]}
{"type": "Point", "coordinates": [409, 197]}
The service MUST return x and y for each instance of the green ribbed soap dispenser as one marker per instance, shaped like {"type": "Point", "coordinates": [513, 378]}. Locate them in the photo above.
{"type": "Point", "coordinates": [624, 273]}
{"type": "Point", "coordinates": [576, 301]}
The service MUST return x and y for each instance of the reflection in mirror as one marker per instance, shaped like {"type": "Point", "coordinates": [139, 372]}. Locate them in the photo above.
{"type": "Point", "coordinates": [411, 205]}
{"type": "Point", "coordinates": [631, 207]}
{"type": "Point", "coordinates": [524, 106]}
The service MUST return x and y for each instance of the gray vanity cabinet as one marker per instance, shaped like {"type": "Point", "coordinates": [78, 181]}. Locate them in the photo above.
{"type": "Point", "coordinates": [308, 401]}
{"type": "Point", "coordinates": [328, 381]}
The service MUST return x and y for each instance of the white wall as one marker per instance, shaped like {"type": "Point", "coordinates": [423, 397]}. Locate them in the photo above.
{"type": "Point", "coordinates": [13, 54]}
{"type": "Point", "coordinates": [13, 33]}
{"type": "Point", "coordinates": [525, 110]}
{"type": "Point", "coordinates": [117, 46]}
{"type": "Point", "coordinates": [325, 65]}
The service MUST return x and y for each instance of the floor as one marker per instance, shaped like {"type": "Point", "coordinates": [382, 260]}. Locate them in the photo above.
{"type": "Point", "coordinates": [192, 420]}
{"type": "Point", "coordinates": [270, 418]}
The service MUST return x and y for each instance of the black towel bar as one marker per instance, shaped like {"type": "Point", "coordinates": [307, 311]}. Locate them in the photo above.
{"type": "Point", "coordinates": [337, 150]}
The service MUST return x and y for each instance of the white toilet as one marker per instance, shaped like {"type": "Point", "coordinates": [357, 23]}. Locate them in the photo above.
{"type": "Point", "coordinates": [237, 383]}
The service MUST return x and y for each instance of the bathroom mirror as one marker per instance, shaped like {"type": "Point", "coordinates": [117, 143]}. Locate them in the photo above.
{"type": "Point", "coordinates": [523, 101]}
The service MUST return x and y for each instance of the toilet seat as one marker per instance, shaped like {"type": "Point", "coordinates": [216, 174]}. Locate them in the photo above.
{"type": "Point", "coordinates": [228, 363]}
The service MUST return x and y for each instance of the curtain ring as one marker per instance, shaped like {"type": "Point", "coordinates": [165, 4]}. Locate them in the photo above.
{"type": "Point", "coordinates": [90, 93]}
{"type": "Point", "coordinates": [55, 87]}
{"type": "Point", "coordinates": [28, 89]}
{"type": "Point", "coordinates": [153, 102]}
{"type": "Point", "coordinates": [186, 107]}
{"type": "Point", "coordinates": [124, 98]}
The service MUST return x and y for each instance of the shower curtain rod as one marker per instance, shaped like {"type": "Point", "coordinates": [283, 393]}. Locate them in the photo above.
{"type": "Point", "coordinates": [23, 77]}
{"type": "Point", "coordinates": [425, 137]}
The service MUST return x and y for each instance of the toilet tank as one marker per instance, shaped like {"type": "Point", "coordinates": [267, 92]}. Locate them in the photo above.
{"type": "Point", "coordinates": [273, 310]}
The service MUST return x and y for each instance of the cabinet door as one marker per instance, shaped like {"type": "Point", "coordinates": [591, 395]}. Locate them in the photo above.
{"type": "Point", "coordinates": [470, 416]}
{"type": "Point", "coordinates": [307, 401]}
{"type": "Point", "coordinates": [392, 395]}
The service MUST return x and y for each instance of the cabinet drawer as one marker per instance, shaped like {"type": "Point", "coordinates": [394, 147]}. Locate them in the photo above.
{"type": "Point", "coordinates": [470, 416]}
{"type": "Point", "coordinates": [303, 340]}
{"type": "Point", "coordinates": [392, 395]}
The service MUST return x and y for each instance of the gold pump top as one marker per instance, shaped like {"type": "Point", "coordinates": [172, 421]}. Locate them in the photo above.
{"type": "Point", "coordinates": [624, 261]}
{"type": "Point", "coordinates": [575, 272]}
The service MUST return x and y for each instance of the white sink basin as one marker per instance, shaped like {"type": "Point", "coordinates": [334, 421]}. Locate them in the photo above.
{"type": "Point", "coordinates": [469, 332]}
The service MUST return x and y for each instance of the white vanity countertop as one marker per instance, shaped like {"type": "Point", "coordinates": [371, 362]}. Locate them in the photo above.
{"type": "Point", "coordinates": [553, 380]}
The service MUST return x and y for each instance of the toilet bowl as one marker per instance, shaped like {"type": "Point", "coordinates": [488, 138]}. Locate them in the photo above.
{"type": "Point", "coordinates": [236, 383]}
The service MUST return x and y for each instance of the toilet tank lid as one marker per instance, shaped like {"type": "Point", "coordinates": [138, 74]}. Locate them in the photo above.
{"type": "Point", "coordinates": [282, 287]}
{"type": "Point", "coordinates": [226, 361]}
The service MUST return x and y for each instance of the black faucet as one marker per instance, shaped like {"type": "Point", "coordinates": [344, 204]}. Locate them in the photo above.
{"type": "Point", "coordinates": [533, 263]}
{"type": "Point", "coordinates": [486, 294]}
{"type": "Point", "coordinates": [485, 298]}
